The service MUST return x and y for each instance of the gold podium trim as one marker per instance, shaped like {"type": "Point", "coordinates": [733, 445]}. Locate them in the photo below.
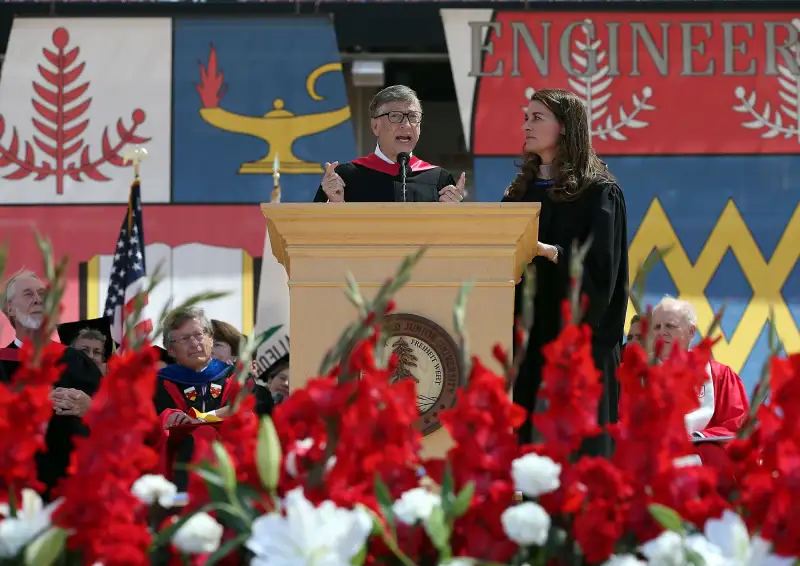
{"type": "Point", "coordinates": [340, 228]}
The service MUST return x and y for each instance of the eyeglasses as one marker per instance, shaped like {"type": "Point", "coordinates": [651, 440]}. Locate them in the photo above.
{"type": "Point", "coordinates": [396, 117]}
{"type": "Point", "coordinates": [185, 340]}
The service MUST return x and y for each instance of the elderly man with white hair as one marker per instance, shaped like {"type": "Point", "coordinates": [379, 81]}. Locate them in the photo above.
{"type": "Point", "coordinates": [22, 302]}
{"type": "Point", "coordinates": [723, 399]}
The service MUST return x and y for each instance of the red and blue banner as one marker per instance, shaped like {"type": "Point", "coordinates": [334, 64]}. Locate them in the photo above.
{"type": "Point", "coordinates": [248, 91]}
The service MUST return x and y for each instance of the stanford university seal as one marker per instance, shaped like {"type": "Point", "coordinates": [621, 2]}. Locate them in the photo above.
{"type": "Point", "coordinates": [427, 354]}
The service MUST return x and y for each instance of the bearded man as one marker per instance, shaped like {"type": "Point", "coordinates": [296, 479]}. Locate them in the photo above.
{"type": "Point", "coordinates": [723, 399]}
{"type": "Point", "coordinates": [22, 303]}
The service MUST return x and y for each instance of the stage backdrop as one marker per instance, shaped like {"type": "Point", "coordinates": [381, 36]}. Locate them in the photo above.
{"type": "Point", "coordinates": [215, 102]}
{"type": "Point", "coordinates": [696, 114]}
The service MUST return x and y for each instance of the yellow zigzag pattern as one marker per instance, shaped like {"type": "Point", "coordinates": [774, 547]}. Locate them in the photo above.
{"type": "Point", "coordinates": [765, 278]}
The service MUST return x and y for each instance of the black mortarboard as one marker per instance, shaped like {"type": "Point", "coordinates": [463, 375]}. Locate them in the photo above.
{"type": "Point", "coordinates": [273, 370]}
{"type": "Point", "coordinates": [69, 331]}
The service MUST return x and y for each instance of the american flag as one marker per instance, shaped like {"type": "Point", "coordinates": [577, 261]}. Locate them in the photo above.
{"type": "Point", "coordinates": [128, 272]}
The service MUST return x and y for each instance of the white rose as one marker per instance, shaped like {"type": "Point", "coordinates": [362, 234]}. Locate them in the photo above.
{"type": "Point", "coordinates": [201, 534]}
{"type": "Point", "coordinates": [665, 550]}
{"type": "Point", "coordinates": [152, 488]}
{"type": "Point", "coordinates": [526, 524]}
{"type": "Point", "coordinates": [624, 560]}
{"type": "Point", "coordinates": [415, 505]}
{"type": "Point", "coordinates": [534, 475]}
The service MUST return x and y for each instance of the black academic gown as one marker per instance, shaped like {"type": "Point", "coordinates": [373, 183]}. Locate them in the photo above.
{"type": "Point", "coordinates": [371, 179]}
{"type": "Point", "coordinates": [81, 373]}
{"type": "Point", "coordinates": [599, 212]}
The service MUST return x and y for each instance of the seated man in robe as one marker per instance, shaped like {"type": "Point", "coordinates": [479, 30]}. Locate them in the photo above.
{"type": "Point", "coordinates": [92, 337]}
{"type": "Point", "coordinates": [196, 390]}
{"type": "Point", "coordinates": [23, 304]}
{"type": "Point", "coordinates": [723, 399]}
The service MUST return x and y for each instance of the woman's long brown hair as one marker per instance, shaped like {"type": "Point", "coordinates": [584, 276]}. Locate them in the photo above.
{"type": "Point", "coordinates": [577, 165]}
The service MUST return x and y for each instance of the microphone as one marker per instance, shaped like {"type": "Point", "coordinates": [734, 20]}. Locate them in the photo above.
{"type": "Point", "coordinates": [402, 159]}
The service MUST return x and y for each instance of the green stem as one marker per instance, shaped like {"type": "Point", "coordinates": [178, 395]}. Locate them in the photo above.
{"type": "Point", "coordinates": [392, 544]}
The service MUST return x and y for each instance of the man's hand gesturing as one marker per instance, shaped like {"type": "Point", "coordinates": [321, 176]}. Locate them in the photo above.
{"type": "Point", "coordinates": [332, 183]}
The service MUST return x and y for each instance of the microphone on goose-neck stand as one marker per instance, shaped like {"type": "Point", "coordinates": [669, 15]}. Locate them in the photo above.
{"type": "Point", "coordinates": [402, 160]}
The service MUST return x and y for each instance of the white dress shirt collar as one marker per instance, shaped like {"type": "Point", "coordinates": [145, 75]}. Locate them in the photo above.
{"type": "Point", "coordinates": [382, 155]}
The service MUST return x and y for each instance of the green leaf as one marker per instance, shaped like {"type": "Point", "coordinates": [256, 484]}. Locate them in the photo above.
{"type": "Point", "coordinates": [224, 467]}
{"type": "Point", "coordinates": [463, 500]}
{"type": "Point", "coordinates": [446, 492]}
{"type": "Point", "coordinates": [225, 549]}
{"type": "Point", "coordinates": [439, 532]}
{"type": "Point", "coordinates": [694, 558]}
{"type": "Point", "coordinates": [46, 548]}
{"type": "Point", "coordinates": [385, 502]}
{"type": "Point", "coordinates": [361, 557]}
{"type": "Point", "coordinates": [268, 454]}
{"type": "Point", "coordinates": [666, 517]}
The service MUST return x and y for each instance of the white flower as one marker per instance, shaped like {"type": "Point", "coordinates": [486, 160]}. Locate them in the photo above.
{"type": "Point", "coordinates": [624, 560]}
{"type": "Point", "coordinates": [534, 475]}
{"type": "Point", "coordinates": [152, 488]}
{"type": "Point", "coordinates": [326, 535]}
{"type": "Point", "coordinates": [709, 552]}
{"type": "Point", "coordinates": [730, 534]}
{"type": "Point", "coordinates": [458, 562]}
{"type": "Point", "coordinates": [32, 520]}
{"type": "Point", "coordinates": [201, 534]}
{"type": "Point", "coordinates": [415, 505]}
{"type": "Point", "coordinates": [665, 550]}
{"type": "Point", "coordinates": [526, 524]}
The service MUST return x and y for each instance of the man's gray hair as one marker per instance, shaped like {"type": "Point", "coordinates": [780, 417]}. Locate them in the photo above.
{"type": "Point", "coordinates": [178, 317]}
{"type": "Point", "coordinates": [11, 287]}
{"type": "Point", "coordinates": [394, 93]}
{"type": "Point", "coordinates": [685, 308]}
{"type": "Point", "coordinates": [89, 334]}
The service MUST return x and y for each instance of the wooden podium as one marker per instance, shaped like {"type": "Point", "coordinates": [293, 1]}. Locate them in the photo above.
{"type": "Point", "coordinates": [486, 243]}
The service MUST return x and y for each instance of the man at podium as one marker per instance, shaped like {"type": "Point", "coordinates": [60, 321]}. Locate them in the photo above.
{"type": "Point", "coordinates": [391, 173]}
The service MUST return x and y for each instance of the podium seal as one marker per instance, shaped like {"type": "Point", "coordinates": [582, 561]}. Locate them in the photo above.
{"type": "Point", "coordinates": [430, 357]}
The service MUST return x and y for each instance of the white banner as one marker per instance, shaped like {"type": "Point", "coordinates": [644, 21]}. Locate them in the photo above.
{"type": "Point", "coordinates": [458, 34]}
{"type": "Point", "coordinates": [69, 111]}
{"type": "Point", "coordinates": [273, 308]}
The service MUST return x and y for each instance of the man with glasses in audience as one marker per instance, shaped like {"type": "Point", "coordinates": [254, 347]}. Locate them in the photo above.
{"type": "Point", "coordinates": [396, 120]}
{"type": "Point", "coordinates": [193, 393]}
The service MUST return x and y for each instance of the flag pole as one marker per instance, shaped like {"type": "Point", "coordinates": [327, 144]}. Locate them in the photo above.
{"type": "Point", "coordinates": [134, 155]}
{"type": "Point", "coordinates": [276, 183]}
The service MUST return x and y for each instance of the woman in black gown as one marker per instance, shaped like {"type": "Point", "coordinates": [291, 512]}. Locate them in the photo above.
{"type": "Point", "coordinates": [580, 199]}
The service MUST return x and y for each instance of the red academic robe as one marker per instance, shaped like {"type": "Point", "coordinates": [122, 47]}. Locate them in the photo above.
{"type": "Point", "coordinates": [723, 405]}
{"type": "Point", "coordinates": [167, 441]}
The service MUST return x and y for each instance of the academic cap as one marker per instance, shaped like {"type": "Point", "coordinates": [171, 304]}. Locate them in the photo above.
{"type": "Point", "coordinates": [273, 370]}
{"type": "Point", "coordinates": [69, 331]}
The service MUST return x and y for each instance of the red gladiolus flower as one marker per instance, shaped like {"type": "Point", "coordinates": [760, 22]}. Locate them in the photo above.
{"type": "Point", "coordinates": [107, 523]}
{"type": "Point", "coordinates": [25, 411]}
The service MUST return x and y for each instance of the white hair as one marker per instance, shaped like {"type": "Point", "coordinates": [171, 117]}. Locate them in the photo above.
{"type": "Point", "coordinates": [180, 316]}
{"type": "Point", "coordinates": [10, 288]}
{"type": "Point", "coordinates": [684, 308]}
